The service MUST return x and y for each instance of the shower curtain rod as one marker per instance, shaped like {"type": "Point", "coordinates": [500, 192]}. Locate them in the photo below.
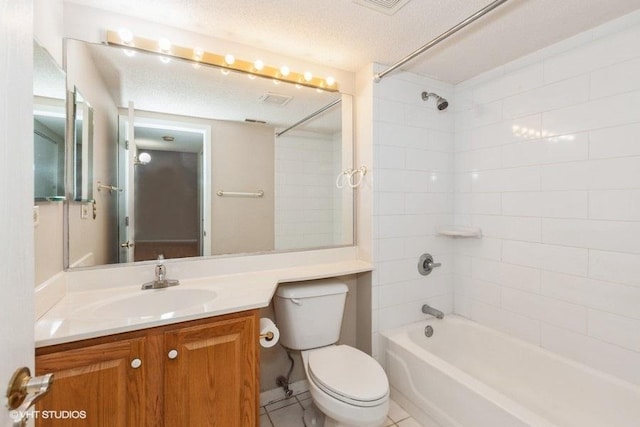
{"type": "Point", "coordinates": [377, 77]}
{"type": "Point", "coordinates": [309, 117]}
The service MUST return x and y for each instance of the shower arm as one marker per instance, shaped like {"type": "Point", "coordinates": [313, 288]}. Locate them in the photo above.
{"type": "Point", "coordinates": [378, 76]}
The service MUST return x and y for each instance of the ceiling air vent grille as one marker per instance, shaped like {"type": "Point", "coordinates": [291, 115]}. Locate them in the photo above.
{"type": "Point", "coordinates": [275, 99]}
{"type": "Point", "coordinates": [388, 7]}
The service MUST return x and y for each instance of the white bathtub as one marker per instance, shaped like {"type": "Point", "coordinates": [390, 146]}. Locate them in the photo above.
{"type": "Point", "coordinates": [468, 375]}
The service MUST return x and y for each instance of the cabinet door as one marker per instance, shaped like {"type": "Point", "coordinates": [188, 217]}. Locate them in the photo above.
{"type": "Point", "coordinates": [94, 386]}
{"type": "Point", "coordinates": [211, 374]}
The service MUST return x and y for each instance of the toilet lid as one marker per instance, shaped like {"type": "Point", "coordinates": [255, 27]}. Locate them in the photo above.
{"type": "Point", "coordinates": [348, 374]}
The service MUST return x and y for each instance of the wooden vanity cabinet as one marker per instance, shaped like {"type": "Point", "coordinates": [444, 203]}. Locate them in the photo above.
{"type": "Point", "coordinates": [199, 373]}
{"type": "Point", "coordinates": [94, 386]}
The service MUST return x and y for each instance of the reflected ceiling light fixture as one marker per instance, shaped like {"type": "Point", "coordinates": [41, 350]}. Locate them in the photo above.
{"type": "Point", "coordinates": [198, 54]}
{"type": "Point", "coordinates": [143, 159]}
{"type": "Point", "coordinates": [164, 45]}
{"type": "Point", "coordinates": [126, 36]}
{"type": "Point", "coordinates": [226, 62]}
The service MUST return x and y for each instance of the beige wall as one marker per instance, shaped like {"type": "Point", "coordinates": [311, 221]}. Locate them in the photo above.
{"type": "Point", "coordinates": [274, 361]}
{"type": "Point", "coordinates": [48, 241]}
{"type": "Point", "coordinates": [242, 160]}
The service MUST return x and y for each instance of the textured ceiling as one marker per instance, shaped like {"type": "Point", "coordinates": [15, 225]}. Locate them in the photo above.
{"type": "Point", "coordinates": [345, 35]}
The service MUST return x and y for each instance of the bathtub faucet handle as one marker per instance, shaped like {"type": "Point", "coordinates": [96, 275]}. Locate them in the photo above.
{"type": "Point", "coordinates": [426, 264]}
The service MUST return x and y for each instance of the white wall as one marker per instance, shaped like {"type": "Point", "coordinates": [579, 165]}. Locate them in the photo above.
{"type": "Point", "coordinates": [547, 161]}
{"type": "Point", "coordinates": [47, 26]}
{"type": "Point", "coordinates": [413, 184]}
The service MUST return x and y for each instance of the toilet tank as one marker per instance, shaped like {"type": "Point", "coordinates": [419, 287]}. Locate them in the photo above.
{"type": "Point", "coordinates": [309, 314]}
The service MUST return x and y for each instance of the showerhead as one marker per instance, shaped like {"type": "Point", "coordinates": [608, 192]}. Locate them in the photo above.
{"type": "Point", "coordinates": [441, 103]}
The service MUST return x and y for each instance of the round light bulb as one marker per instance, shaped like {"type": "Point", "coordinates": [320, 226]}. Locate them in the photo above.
{"type": "Point", "coordinates": [224, 71]}
{"type": "Point", "coordinates": [229, 59]}
{"type": "Point", "coordinates": [198, 54]}
{"type": "Point", "coordinates": [308, 76]}
{"type": "Point", "coordinates": [258, 65]}
{"type": "Point", "coordinates": [125, 35]}
{"type": "Point", "coordinates": [164, 45]}
{"type": "Point", "coordinates": [284, 70]}
{"type": "Point", "coordinates": [144, 158]}
{"type": "Point", "coordinates": [165, 59]}
{"type": "Point", "coordinates": [330, 81]}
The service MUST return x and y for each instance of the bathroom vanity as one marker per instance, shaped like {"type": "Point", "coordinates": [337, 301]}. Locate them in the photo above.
{"type": "Point", "coordinates": [185, 355]}
{"type": "Point", "coordinates": [201, 372]}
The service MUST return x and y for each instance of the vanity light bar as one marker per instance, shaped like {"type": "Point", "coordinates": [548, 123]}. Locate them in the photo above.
{"type": "Point", "coordinates": [224, 62]}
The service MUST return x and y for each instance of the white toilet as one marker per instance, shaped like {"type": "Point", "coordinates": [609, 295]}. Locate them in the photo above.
{"type": "Point", "coordinates": [348, 386]}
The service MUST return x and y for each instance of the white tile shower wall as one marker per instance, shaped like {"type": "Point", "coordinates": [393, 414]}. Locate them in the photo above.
{"type": "Point", "coordinates": [306, 205]}
{"type": "Point", "coordinates": [413, 196]}
{"type": "Point", "coordinates": [547, 163]}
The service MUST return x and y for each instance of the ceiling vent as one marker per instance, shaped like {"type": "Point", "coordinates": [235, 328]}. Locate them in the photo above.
{"type": "Point", "coordinates": [388, 7]}
{"type": "Point", "coordinates": [275, 99]}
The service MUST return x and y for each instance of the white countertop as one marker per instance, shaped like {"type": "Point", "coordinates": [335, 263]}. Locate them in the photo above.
{"type": "Point", "coordinates": [81, 315]}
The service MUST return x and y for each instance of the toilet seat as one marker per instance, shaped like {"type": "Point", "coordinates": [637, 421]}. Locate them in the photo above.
{"type": "Point", "coordinates": [349, 375]}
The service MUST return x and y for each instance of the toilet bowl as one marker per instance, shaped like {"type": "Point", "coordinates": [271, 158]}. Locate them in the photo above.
{"type": "Point", "coordinates": [347, 385]}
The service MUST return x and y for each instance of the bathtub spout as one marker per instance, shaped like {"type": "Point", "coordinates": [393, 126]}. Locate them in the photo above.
{"type": "Point", "coordinates": [427, 309]}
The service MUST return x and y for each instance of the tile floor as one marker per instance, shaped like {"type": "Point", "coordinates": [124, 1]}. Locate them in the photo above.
{"type": "Point", "coordinates": [288, 413]}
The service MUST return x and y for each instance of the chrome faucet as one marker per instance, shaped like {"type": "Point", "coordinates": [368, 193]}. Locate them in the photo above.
{"type": "Point", "coordinates": [427, 309]}
{"type": "Point", "coordinates": [161, 280]}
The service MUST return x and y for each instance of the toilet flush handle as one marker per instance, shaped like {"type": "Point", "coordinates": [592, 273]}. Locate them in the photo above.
{"type": "Point", "coordinates": [296, 301]}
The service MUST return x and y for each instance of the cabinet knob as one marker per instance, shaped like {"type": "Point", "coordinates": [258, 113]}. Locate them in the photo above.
{"type": "Point", "coordinates": [172, 354]}
{"type": "Point", "coordinates": [136, 363]}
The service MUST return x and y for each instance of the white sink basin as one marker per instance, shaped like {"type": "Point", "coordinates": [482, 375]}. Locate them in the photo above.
{"type": "Point", "coordinates": [147, 303]}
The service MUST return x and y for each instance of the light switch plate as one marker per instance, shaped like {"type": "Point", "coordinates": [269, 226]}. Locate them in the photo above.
{"type": "Point", "coordinates": [36, 216]}
{"type": "Point", "coordinates": [84, 211]}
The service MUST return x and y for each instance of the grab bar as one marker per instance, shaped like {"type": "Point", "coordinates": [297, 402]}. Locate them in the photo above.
{"type": "Point", "coordinates": [223, 193]}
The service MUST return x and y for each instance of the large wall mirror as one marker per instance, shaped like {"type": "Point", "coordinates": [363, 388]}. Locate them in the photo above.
{"type": "Point", "coordinates": [49, 124]}
{"type": "Point", "coordinates": [197, 164]}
